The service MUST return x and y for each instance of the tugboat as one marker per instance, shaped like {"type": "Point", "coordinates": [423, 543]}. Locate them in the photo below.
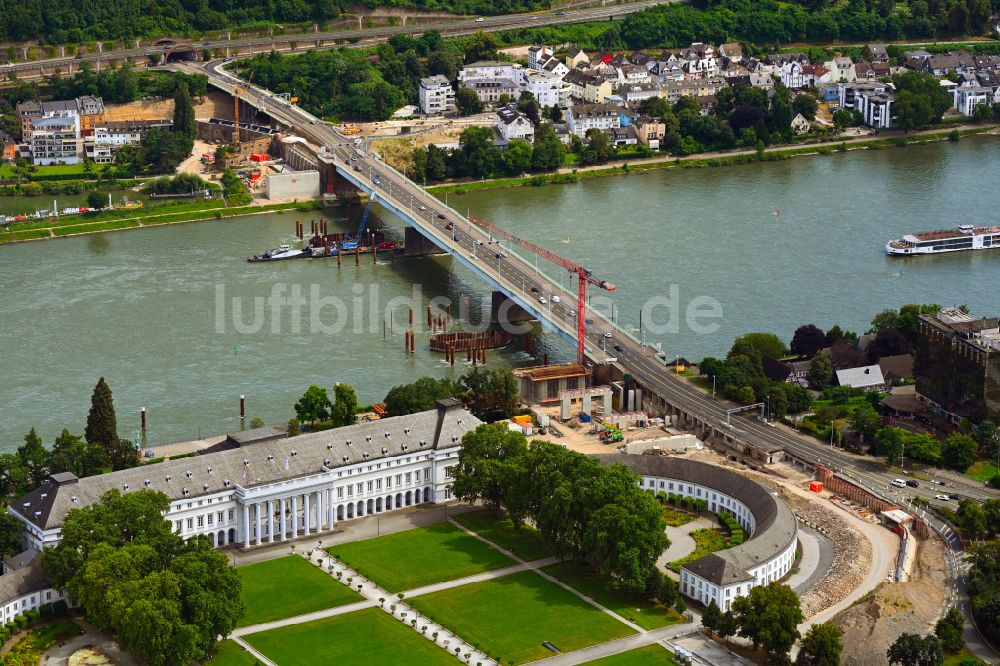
{"type": "Point", "coordinates": [281, 253]}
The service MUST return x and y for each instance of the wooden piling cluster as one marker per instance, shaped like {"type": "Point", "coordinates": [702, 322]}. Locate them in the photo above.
{"type": "Point", "coordinates": [470, 341]}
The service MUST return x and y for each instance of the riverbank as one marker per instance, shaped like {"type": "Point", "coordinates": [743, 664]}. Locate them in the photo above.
{"type": "Point", "coordinates": [119, 220]}
{"type": "Point", "coordinates": [566, 175]}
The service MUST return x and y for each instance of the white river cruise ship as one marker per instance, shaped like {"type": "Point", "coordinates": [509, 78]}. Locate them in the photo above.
{"type": "Point", "coordinates": [966, 237]}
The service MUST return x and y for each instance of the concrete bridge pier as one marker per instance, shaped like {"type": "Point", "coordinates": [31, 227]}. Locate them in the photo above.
{"type": "Point", "coordinates": [504, 310]}
{"type": "Point", "coordinates": [417, 245]}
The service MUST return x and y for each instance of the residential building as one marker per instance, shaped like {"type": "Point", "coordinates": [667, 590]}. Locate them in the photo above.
{"type": "Point", "coordinates": [867, 377]}
{"type": "Point", "coordinates": [623, 136]}
{"type": "Point", "coordinates": [876, 53]}
{"type": "Point", "coordinates": [674, 90]}
{"type": "Point", "coordinates": [699, 60]}
{"type": "Point", "coordinates": [575, 57]}
{"type": "Point", "coordinates": [733, 51]}
{"type": "Point", "coordinates": [514, 125]}
{"type": "Point", "coordinates": [488, 69]}
{"type": "Point", "coordinates": [650, 131]}
{"type": "Point", "coordinates": [490, 90]}
{"type": "Point", "coordinates": [91, 111]}
{"type": "Point", "coordinates": [55, 139]}
{"type": "Point", "coordinates": [633, 94]}
{"type": "Point", "coordinates": [436, 95]}
{"type": "Point", "coordinates": [967, 98]}
{"type": "Point", "coordinates": [548, 89]}
{"type": "Point", "coordinates": [896, 368]}
{"type": "Point", "coordinates": [873, 99]}
{"type": "Point", "coordinates": [957, 365]}
{"type": "Point", "coordinates": [960, 62]}
{"type": "Point", "coordinates": [584, 117]}
{"type": "Point", "coordinates": [538, 55]}
{"type": "Point", "coordinates": [799, 124]}
{"type": "Point", "coordinates": [839, 70]}
{"type": "Point", "coordinates": [596, 90]}
{"type": "Point", "coordinates": [105, 140]}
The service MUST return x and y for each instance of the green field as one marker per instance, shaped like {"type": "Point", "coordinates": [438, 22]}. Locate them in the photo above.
{"type": "Point", "coordinates": [643, 612]}
{"type": "Point", "coordinates": [526, 543]}
{"type": "Point", "coordinates": [289, 586]}
{"type": "Point", "coordinates": [414, 558]}
{"type": "Point", "coordinates": [705, 541]}
{"type": "Point", "coordinates": [510, 617]}
{"type": "Point", "coordinates": [229, 653]}
{"type": "Point", "coordinates": [982, 471]}
{"type": "Point", "coordinates": [366, 637]}
{"type": "Point", "coordinates": [651, 655]}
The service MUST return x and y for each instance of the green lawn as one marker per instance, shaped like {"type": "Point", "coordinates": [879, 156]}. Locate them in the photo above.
{"type": "Point", "coordinates": [982, 471]}
{"type": "Point", "coordinates": [229, 653]}
{"type": "Point", "coordinates": [366, 637]}
{"type": "Point", "coordinates": [510, 617]}
{"type": "Point", "coordinates": [414, 558]}
{"type": "Point", "coordinates": [705, 541]}
{"type": "Point", "coordinates": [651, 655]}
{"type": "Point", "coordinates": [643, 612]}
{"type": "Point", "coordinates": [526, 543]}
{"type": "Point", "coordinates": [289, 586]}
{"type": "Point", "coordinates": [956, 658]}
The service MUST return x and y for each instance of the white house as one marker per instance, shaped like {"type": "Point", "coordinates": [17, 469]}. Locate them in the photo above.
{"type": "Point", "coordinates": [488, 69]}
{"type": "Point", "coordinates": [56, 139]}
{"type": "Point", "coordinates": [799, 124]}
{"type": "Point", "coordinates": [584, 117]}
{"type": "Point", "coordinates": [436, 95]}
{"type": "Point", "coordinates": [967, 98]}
{"type": "Point", "coordinates": [514, 125]}
{"type": "Point", "coordinates": [865, 377]}
{"type": "Point", "coordinates": [767, 554]}
{"type": "Point", "coordinates": [548, 89]}
{"type": "Point", "coordinates": [839, 70]}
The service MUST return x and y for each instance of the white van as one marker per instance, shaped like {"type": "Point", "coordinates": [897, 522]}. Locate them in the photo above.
{"type": "Point", "coordinates": [899, 483]}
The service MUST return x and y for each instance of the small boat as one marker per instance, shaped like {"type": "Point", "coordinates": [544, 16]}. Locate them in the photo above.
{"type": "Point", "coordinates": [281, 253]}
{"type": "Point", "coordinates": [128, 205]}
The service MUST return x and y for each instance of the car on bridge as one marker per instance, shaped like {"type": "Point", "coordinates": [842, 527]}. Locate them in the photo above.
{"type": "Point", "coordinates": [441, 216]}
{"type": "Point", "coordinates": [943, 498]}
{"type": "Point", "coordinates": [607, 334]}
{"type": "Point", "coordinates": [541, 299]}
{"type": "Point", "coordinates": [618, 348]}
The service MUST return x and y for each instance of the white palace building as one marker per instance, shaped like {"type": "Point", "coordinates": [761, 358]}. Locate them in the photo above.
{"type": "Point", "coordinates": [265, 491]}
{"type": "Point", "coordinates": [767, 554]}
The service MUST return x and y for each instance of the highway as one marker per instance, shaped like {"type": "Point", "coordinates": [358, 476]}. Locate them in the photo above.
{"type": "Point", "coordinates": [359, 38]}
{"type": "Point", "coordinates": [518, 278]}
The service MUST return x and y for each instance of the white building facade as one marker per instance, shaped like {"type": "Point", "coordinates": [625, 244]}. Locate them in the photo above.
{"type": "Point", "coordinates": [436, 95]}
{"type": "Point", "coordinates": [767, 554]}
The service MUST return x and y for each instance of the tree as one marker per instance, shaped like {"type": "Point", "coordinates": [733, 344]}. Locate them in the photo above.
{"type": "Point", "coordinates": [102, 425]}
{"type": "Point", "coordinates": [167, 600]}
{"type": "Point", "coordinates": [71, 454]}
{"type": "Point", "coordinates": [768, 616]}
{"type": "Point", "coordinates": [808, 340]}
{"type": "Point", "coordinates": [712, 616]}
{"type": "Point", "coordinates": [528, 105]}
{"type": "Point", "coordinates": [418, 396]}
{"type": "Point", "coordinates": [820, 371]}
{"type": "Point", "coordinates": [912, 650]}
{"type": "Point", "coordinates": [889, 443]}
{"type": "Point", "coordinates": [517, 157]}
{"type": "Point", "coordinates": [758, 345]}
{"type": "Point", "coordinates": [96, 200]}
{"type": "Point", "coordinates": [314, 405]}
{"type": "Point", "coordinates": [185, 124]}
{"type": "Point", "coordinates": [888, 342]}
{"type": "Point", "coordinates": [959, 452]}
{"type": "Point", "coordinates": [728, 626]}
{"type": "Point", "coordinates": [599, 148]}
{"type": "Point", "coordinates": [468, 102]}
{"type": "Point", "coordinates": [912, 110]}
{"type": "Point", "coordinates": [10, 534]}
{"type": "Point", "coordinates": [344, 410]}
{"type": "Point", "coordinates": [806, 105]}
{"type": "Point", "coordinates": [481, 46]}
{"type": "Point", "coordinates": [987, 437]}
{"type": "Point", "coordinates": [972, 519]}
{"type": "Point", "coordinates": [548, 151]}
{"type": "Point", "coordinates": [34, 458]}
{"type": "Point", "coordinates": [949, 630]}
{"type": "Point", "coordinates": [491, 457]}
{"type": "Point", "coordinates": [821, 646]}
{"type": "Point", "coordinates": [865, 421]}
{"type": "Point", "coordinates": [490, 394]}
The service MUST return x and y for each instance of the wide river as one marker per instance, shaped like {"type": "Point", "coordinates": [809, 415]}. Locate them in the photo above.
{"type": "Point", "coordinates": [167, 315]}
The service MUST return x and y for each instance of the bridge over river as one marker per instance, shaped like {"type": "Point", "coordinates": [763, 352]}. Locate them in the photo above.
{"type": "Point", "coordinates": [659, 390]}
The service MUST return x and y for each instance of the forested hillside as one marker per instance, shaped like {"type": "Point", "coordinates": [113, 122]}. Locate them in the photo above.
{"type": "Point", "coordinates": [75, 21]}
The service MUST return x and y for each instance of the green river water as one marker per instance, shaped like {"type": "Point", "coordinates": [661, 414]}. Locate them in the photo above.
{"type": "Point", "coordinates": [142, 307]}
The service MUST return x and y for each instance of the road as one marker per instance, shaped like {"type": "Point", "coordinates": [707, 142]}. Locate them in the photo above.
{"type": "Point", "coordinates": [363, 37]}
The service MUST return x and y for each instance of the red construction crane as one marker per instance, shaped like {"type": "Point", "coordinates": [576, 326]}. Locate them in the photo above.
{"type": "Point", "coordinates": [583, 276]}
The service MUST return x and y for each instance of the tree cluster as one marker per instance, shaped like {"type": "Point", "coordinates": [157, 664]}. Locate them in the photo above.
{"type": "Point", "coordinates": [957, 452]}
{"type": "Point", "coordinates": [920, 99]}
{"type": "Point", "coordinates": [740, 376]}
{"type": "Point", "coordinates": [583, 509]}
{"type": "Point", "coordinates": [167, 600]}
{"type": "Point", "coordinates": [316, 406]}
{"type": "Point", "coordinates": [99, 449]}
{"type": "Point", "coordinates": [489, 394]}
{"type": "Point", "coordinates": [984, 587]}
{"type": "Point", "coordinates": [916, 650]}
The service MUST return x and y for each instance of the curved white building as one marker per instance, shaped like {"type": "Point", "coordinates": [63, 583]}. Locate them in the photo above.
{"type": "Point", "coordinates": [767, 554]}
